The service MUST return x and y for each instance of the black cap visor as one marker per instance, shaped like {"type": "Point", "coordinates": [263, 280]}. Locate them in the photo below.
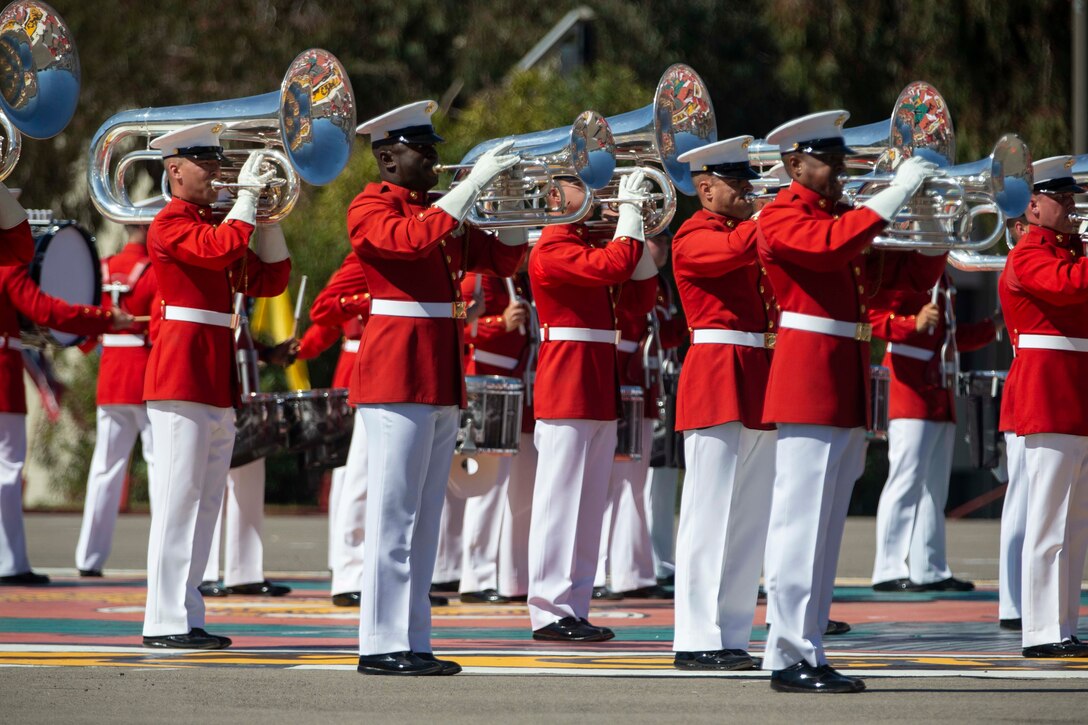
{"type": "Point", "coordinates": [1061, 185]}
{"type": "Point", "coordinates": [410, 134]}
{"type": "Point", "coordinates": [202, 153]}
{"type": "Point", "coordinates": [738, 170]}
{"type": "Point", "coordinates": [816, 146]}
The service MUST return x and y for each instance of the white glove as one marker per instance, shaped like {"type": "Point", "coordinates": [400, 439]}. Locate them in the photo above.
{"type": "Point", "coordinates": [647, 267]}
{"type": "Point", "coordinates": [458, 201]}
{"type": "Point", "coordinates": [513, 237]}
{"type": "Point", "coordinates": [12, 213]}
{"type": "Point", "coordinates": [269, 243]}
{"type": "Point", "coordinates": [909, 177]}
{"type": "Point", "coordinates": [632, 194]}
{"type": "Point", "coordinates": [245, 208]}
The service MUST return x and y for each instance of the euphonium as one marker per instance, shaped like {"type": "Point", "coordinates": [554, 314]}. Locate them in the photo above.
{"type": "Point", "coordinates": [518, 197]}
{"type": "Point", "coordinates": [39, 76]}
{"type": "Point", "coordinates": [306, 130]}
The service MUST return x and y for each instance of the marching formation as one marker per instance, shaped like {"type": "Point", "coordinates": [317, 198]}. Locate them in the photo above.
{"type": "Point", "coordinates": [513, 356]}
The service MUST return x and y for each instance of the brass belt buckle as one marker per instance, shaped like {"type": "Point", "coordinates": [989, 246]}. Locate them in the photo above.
{"type": "Point", "coordinates": [864, 332]}
{"type": "Point", "coordinates": [234, 322]}
{"type": "Point", "coordinates": [459, 310]}
{"type": "Point", "coordinates": [769, 340]}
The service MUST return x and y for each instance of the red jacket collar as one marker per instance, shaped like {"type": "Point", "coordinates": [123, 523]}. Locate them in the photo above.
{"type": "Point", "coordinates": [409, 196]}
{"type": "Point", "coordinates": [722, 219]}
{"type": "Point", "coordinates": [809, 196]}
{"type": "Point", "coordinates": [1058, 239]}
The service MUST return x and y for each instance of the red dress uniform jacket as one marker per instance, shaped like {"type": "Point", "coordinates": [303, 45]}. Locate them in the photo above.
{"type": "Point", "coordinates": [491, 333]}
{"type": "Point", "coordinates": [575, 277]}
{"type": "Point", "coordinates": [344, 304]}
{"type": "Point", "coordinates": [410, 252]}
{"type": "Point", "coordinates": [816, 255]}
{"type": "Point", "coordinates": [723, 286]}
{"type": "Point", "coordinates": [1047, 280]}
{"type": "Point", "coordinates": [201, 265]}
{"type": "Point", "coordinates": [1007, 420]}
{"type": "Point", "coordinates": [16, 245]}
{"type": "Point", "coordinates": [121, 369]}
{"type": "Point", "coordinates": [915, 389]}
{"type": "Point", "coordinates": [635, 329]}
{"type": "Point", "coordinates": [19, 295]}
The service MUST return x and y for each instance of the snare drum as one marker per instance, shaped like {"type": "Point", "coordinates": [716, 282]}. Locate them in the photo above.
{"type": "Point", "coordinates": [65, 266]}
{"type": "Point", "coordinates": [629, 430]}
{"type": "Point", "coordinates": [982, 390]}
{"type": "Point", "coordinates": [314, 417]}
{"type": "Point", "coordinates": [333, 451]}
{"type": "Point", "coordinates": [492, 421]}
{"type": "Point", "coordinates": [880, 390]}
{"type": "Point", "coordinates": [259, 429]}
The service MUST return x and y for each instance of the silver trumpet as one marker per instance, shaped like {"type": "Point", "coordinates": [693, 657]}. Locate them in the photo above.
{"type": "Point", "coordinates": [39, 77]}
{"type": "Point", "coordinates": [306, 130]}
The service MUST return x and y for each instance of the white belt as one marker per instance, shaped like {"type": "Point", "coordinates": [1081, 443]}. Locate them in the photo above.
{"type": "Point", "coordinates": [10, 343]}
{"type": "Point", "coordinates": [627, 346]}
{"type": "Point", "coordinates": [123, 341]}
{"type": "Point", "coordinates": [1053, 342]}
{"type": "Point", "coordinates": [861, 331]}
{"type": "Point", "coordinates": [579, 334]}
{"type": "Point", "coordinates": [351, 346]}
{"type": "Point", "coordinates": [201, 317]}
{"type": "Point", "coordinates": [732, 337]}
{"type": "Point", "coordinates": [918, 353]}
{"type": "Point", "coordinates": [406, 308]}
{"type": "Point", "coordinates": [489, 358]}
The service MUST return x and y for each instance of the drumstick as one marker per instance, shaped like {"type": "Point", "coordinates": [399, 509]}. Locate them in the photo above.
{"type": "Point", "coordinates": [933, 300]}
{"type": "Point", "coordinates": [513, 296]}
{"type": "Point", "coordinates": [141, 318]}
{"type": "Point", "coordinates": [298, 304]}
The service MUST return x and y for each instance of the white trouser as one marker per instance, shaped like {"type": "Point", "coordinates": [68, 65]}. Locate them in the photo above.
{"type": "Point", "coordinates": [516, 518]}
{"type": "Point", "coordinates": [115, 435]}
{"type": "Point", "coordinates": [13, 557]}
{"type": "Point", "coordinates": [450, 548]}
{"type": "Point", "coordinates": [409, 450]}
{"type": "Point", "coordinates": [626, 552]}
{"type": "Point", "coordinates": [815, 470]}
{"type": "Point", "coordinates": [480, 534]}
{"type": "Point", "coordinates": [1056, 536]}
{"type": "Point", "coordinates": [910, 539]}
{"type": "Point", "coordinates": [1013, 522]}
{"type": "Point", "coordinates": [568, 507]}
{"type": "Point", "coordinates": [193, 448]}
{"type": "Point", "coordinates": [347, 515]}
{"type": "Point", "coordinates": [242, 516]}
{"type": "Point", "coordinates": [661, 510]}
{"type": "Point", "coordinates": [725, 510]}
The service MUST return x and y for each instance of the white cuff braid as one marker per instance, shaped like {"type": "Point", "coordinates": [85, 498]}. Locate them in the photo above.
{"type": "Point", "coordinates": [647, 267]}
{"type": "Point", "coordinates": [245, 208]}
{"type": "Point", "coordinates": [513, 237]}
{"type": "Point", "coordinates": [270, 244]}
{"type": "Point", "coordinates": [458, 201]}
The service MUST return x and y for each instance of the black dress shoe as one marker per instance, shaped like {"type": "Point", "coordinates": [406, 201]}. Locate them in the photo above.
{"type": "Point", "coordinates": [898, 585]}
{"type": "Point", "coordinates": [951, 584]}
{"type": "Point", "coordinates": [193, 639]}
{"type": "Point", "coordinates": [487, 596]}
{"type": "Point", "coordinates": [346, 599]}
{"type": "Point", "coordinates": [437, 601]}
{"type": "Point", "coordinates": [397, 663]}
{"type": "Point", "coordinates": [1069, 648]}
{"type": "Point", "coordinates": [1015, 625]}
{"type": "Point", "coordinates": [26, 579]}
{"type": "Point", "coordinates": [650, 592]}
{"type": "Point", "coordinates": [723, 659]}
{"type": "Point", "coordinates": [91, 573]}
{"type": "Point", "coordinates": [761, 595]}
{"type": "Point", "coordinates": [571, 629]}
{"type": "Point", "coordinates": [834, 627]}
{"type": "Point", "coordinates": [606, 594]}
{"type": "Point", "coordinates": [519, 598]}
{"type": "Point", "coordinates": [212, 589]}
{"type": "Point", "coordinates": [260, 589]}
{"type": "Point", "coordinates": [449, 667]}
{"type": "Point", "coordinates": [667, 581]}
{"type": "Point", "coordinates": [453, 586]}
{"type": "Point", "coordinates": [803, 677]}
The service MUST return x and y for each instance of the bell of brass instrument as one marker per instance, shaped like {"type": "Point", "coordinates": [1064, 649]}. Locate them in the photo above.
{"type": "Point", "coordinates": [306, 130]}
{"type": "Point", "coordinates": [518, 197]}
{"type": "Point", "coordinates": [39, 77]}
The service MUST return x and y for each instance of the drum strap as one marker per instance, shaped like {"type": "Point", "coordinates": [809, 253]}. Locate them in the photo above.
{"type": "Point", "coordinates": [489, 358]}
{"type": "Point", "coordinates": [916, 353]}
{"type": "Point", "coordinates": [351, 346]}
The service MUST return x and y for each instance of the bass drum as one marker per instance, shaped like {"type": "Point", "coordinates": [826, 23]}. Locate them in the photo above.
{"type": "Point", "coordinates": [65, 266]}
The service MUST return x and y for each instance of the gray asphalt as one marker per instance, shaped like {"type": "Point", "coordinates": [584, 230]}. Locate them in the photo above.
{"type": "Point", "coordinates": [297, 544]}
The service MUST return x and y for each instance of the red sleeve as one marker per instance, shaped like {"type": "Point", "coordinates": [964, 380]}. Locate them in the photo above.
{"type": "Point", "coordinates": [344, 296]}
{"type": "Point", "coordinates": [53, 312]}
{"type": "Point", "coordinates": [195, 242]}
{"type": "Point", "coordinates": [318, 339]}
{"type": "Point", "coordinates": [261, 279]}
{"type": "Point", "coordinates": [578, 264]}
{"type": "Point", "coordinates": [638, 297]}
{"type": "Point", "coordinates": [487, 254]}
{"type": "Point", "coordinates": [822, 245]}
{"type": "Point", "coordinates": [708, 252]}
{"type": "Point", "coordinates": [887, 319]}
{"type": "Point", "coordinates": [376, 227]}
{"type": "Point", "coordinates": [16, 245]}
{"type": "Point", "coordinates": [489, 325]}
{"type": "Point", "coordinates": [905, 270]}
{"type": "Point", "coordinates": [975, 335]}
{"type": "Point", "coordinates": [1050, 277]}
